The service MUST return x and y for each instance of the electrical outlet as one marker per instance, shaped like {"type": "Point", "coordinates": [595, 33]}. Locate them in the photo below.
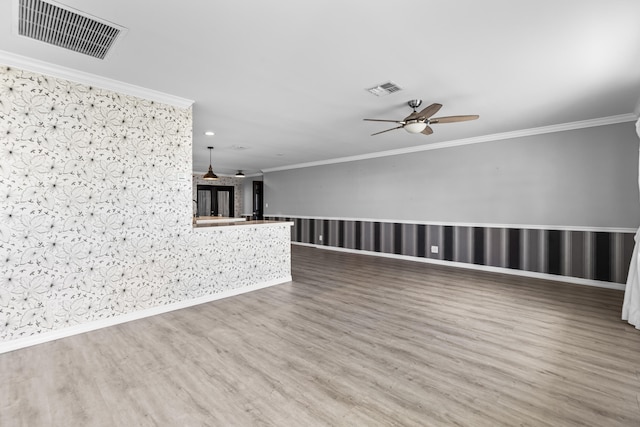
{"type": "Point", "coordinates": [320, 237]}
{"type": "Point", "coordinates": [434, 249]}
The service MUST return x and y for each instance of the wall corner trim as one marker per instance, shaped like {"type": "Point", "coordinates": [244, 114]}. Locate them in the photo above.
{"type": "Point", "coordinates": [582, 124]}
{"type": "Point", "coordinates": [77, 76]}
{"type": "Point", "coordinates": [19, 343]}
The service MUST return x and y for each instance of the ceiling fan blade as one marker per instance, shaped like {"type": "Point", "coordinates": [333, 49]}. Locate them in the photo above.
{"type": "Point", "coordinates": [425, 113]}
{"type": "Point", "coordinates": [427, 131]}
{"type": "Point", "coordinates": [384, 120]}
{"type": "Point", "coordinates": [378, 133]}
{"type": "Point", "coordinates": [452, 119]}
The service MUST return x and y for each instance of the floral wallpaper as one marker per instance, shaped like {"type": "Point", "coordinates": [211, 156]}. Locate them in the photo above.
{"type": "Point", "coordinates": [96, 192]}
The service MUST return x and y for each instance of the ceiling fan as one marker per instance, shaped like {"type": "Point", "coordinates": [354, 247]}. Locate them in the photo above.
{"type": "Point", "coordinates": [419, 121]}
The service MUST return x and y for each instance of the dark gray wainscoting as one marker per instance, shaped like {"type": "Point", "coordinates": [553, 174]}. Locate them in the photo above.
{"type": "Point", "coordinates": [593, 255]}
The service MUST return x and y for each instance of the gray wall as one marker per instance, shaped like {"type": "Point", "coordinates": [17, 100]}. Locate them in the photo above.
{"type": "Point", "coordinates": [585, 177]}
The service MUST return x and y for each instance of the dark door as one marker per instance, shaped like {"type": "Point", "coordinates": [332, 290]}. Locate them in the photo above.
{"type": "Point", "coordinates": [215, 200]}
{"type": "Point", "coordinates": [258, 213]}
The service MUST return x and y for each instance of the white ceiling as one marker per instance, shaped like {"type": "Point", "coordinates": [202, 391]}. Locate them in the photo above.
{"type": "Point", "coordinates": [286, 79]}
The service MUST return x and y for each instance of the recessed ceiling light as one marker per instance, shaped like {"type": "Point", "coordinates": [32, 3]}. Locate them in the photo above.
{"type": "Point", "coordinates": [209, 133]}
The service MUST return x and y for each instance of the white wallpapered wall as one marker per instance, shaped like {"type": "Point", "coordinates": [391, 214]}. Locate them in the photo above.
{"type": "Point", "coordinates": [96, 210]}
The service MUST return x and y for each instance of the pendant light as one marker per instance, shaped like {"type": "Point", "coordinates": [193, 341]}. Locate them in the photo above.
{"type": "Point", "coordinates": [210, 176]}
{"type": "Point", "coordinates": [240, 174]}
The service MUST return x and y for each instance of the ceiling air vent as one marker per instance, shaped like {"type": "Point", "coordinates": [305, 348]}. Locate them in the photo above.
{"type": "Point", "coordinates": [61, 26]}
{"type": "Point", "coordinates": [384, 89]}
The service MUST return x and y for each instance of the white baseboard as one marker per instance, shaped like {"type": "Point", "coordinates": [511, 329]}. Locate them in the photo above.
{"type": "Point", "coordinates": [502, 270]}
{"type": "Point", "coordinates": [103, 323]}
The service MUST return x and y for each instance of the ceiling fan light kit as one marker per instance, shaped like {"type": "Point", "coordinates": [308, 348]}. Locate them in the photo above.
{"type": "Point", "coordinates": [418, 122]}
{"type": "Point", "coordinates": [415, 126]}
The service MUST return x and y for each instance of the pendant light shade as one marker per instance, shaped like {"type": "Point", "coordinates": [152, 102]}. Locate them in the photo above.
{"type": "Point", "coordinates": [210, 176]}
{"type": "Point", "coordinates": [240, 174]}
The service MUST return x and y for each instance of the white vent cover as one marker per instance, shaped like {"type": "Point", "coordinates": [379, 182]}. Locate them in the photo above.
{"type": "Point", "coordinates": [384, 89]}
{"type": "Point", "coordinates": [62, 26]}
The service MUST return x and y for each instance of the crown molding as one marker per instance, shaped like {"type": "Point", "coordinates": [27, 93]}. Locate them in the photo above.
{"type": "Point", "coordinates": [622, 118]}
{"type": "Point", "coordinates": [226, 175]}
{"type": "Point", "coordinates": [58, 71]}
{"type": "Point", "coordinates": [248, 175]}
{"type": "Point", "coordinates": [254, 175]}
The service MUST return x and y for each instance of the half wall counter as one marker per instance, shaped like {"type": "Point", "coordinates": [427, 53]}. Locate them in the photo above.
{"type": "Point", "coordinates": [260, 251]}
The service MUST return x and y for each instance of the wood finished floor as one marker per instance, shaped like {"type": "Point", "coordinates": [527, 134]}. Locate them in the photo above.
{"type": "Point", "coordinates": [352, 341]}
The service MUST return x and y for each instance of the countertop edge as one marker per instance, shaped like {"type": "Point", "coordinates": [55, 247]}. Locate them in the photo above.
{"type": "Point", "coordinates": [241, 224]}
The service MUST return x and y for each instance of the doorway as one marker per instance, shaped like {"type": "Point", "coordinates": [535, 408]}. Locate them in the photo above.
{"type": "Point", "coordinates": [258, 212]}
{"type": "Point", "coordinates": [215, 200]}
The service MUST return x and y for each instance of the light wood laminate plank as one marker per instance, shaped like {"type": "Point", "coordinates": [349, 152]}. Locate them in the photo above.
{"type": "Point", "coordinates": [354, 340]}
